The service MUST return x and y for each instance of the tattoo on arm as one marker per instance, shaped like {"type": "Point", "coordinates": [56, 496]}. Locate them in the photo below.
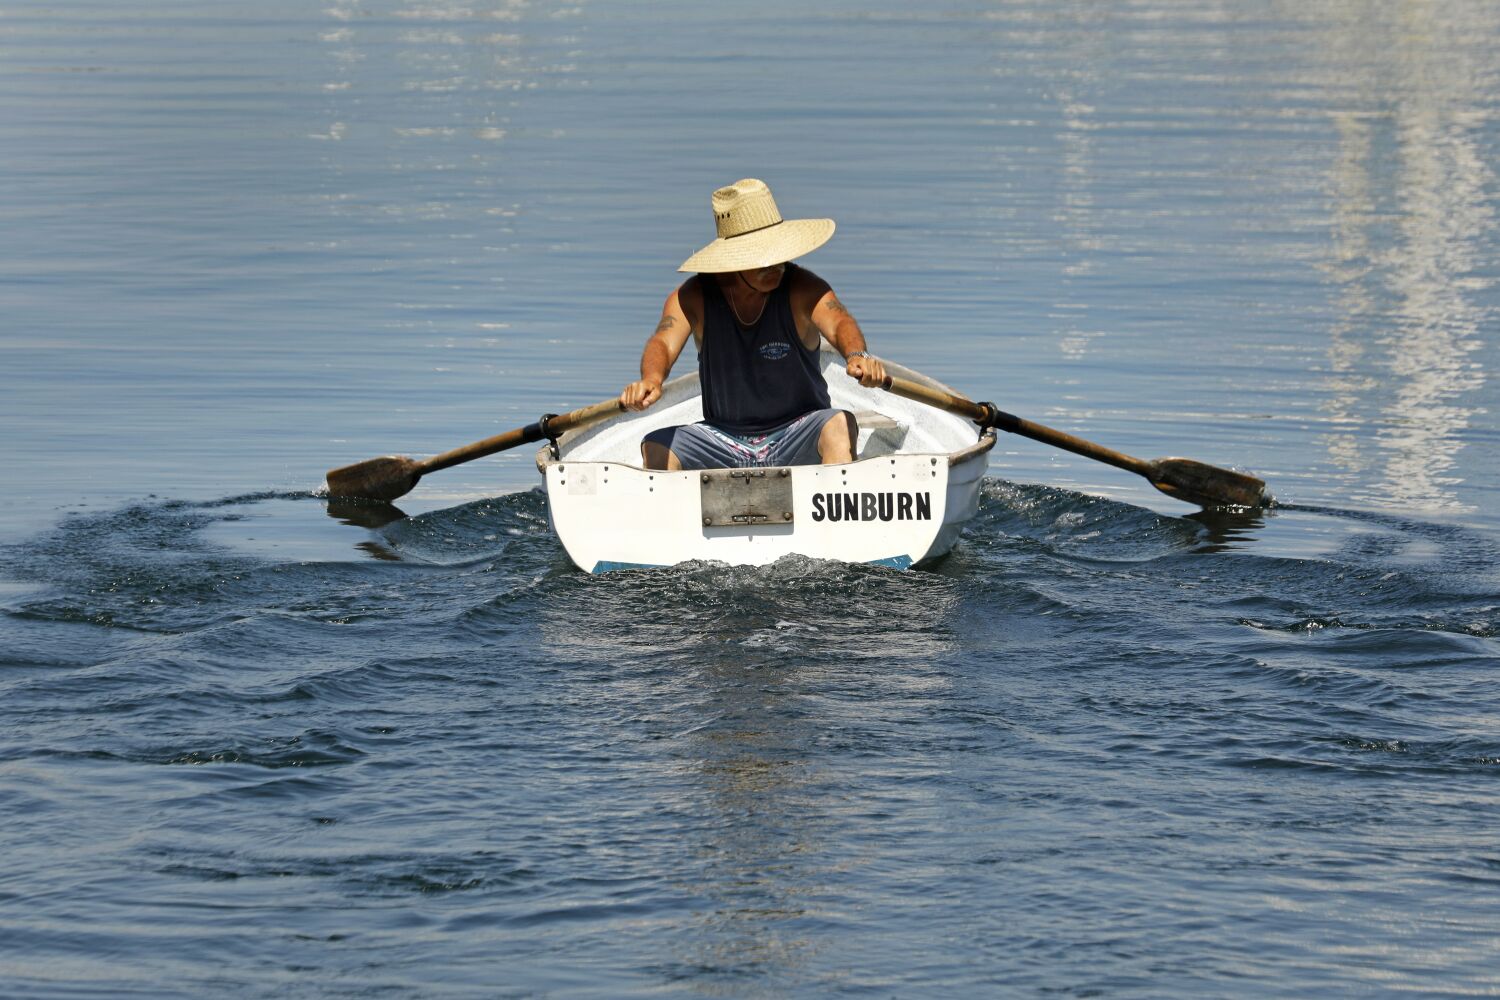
{"type": "Point", "coordinates": [666, 324]}
{"type": "Point", "coordinates": [835, 306]}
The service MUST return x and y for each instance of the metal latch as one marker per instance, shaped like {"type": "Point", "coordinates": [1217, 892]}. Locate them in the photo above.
{"type": "Point", "coordinates": [744, 497]}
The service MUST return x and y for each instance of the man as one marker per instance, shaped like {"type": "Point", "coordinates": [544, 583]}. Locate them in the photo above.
{"type": "Point", "coordinates": [757, 320]}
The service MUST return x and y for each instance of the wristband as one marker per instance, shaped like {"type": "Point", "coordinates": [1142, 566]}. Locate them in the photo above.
{"type": "Point", "coordinates": [856, 354]}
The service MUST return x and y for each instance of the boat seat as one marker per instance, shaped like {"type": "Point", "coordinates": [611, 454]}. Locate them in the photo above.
{"type": "Point", "coordinates": [878, 434]}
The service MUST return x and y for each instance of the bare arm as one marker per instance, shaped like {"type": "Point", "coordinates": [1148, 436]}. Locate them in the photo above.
{"type": "Point", "coordinates": [842, 330]}
{"type": "Point", "coordinates": [662, 350]}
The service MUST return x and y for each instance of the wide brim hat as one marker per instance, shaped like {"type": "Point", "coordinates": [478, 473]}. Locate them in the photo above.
{"type": "Point", "coordinates": [752, 232]}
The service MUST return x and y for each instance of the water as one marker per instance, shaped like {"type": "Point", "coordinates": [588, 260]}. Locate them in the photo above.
{"type": "Point", "coordinates": [1108, 747]}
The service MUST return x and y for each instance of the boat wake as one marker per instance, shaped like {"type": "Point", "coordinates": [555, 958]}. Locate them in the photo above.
{"type": "Point", "coordinates": [174, 565]}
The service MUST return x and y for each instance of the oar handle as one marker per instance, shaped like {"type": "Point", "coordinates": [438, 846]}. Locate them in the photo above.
{"type": "Point", "coordinates": [986, 415]}
{"type": "Point", "coordinates": [547, 427]}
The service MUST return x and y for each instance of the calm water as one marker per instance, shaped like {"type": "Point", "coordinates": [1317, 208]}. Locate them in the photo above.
{"type": "Point", "coordinates": [1110, 747]}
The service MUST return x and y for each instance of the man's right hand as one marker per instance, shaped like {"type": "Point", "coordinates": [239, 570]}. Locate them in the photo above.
{"type": "Point", "coordinates": [641, 394]}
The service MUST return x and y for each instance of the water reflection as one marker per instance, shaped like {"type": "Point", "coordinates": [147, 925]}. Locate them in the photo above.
{"type": "Point", "coordinates": [775, 852]}
{"type": "Point", "coordinates": [420, 98]}
{"type": "Point", "coordinates": [1076, 213]}
{"type": "Point", "coordinates": [765, 690]}
{"type": "Point", "coordinates": [761, 851]}
{"type": "Point", "coordinates": [371, 514]}
{"type": "Point", "coordinates": [1232, 528]}
{"type": "Point", "coordinates": [1409, 175]}
{"type": "Point", "coordinates": [452, 72]}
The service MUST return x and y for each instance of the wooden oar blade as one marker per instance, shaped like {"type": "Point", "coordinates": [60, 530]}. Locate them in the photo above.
{"type": "Point", "coordinates": [1207, 485]}
{"type": "Point", "coordinates": [384, 478]}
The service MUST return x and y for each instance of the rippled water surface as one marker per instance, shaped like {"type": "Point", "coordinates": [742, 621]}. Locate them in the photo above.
{"type": "Point", "coordinates": [255, 744]}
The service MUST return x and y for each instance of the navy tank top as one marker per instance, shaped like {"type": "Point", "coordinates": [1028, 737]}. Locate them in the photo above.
{"type": "Point", "coordinates": [756, 378]}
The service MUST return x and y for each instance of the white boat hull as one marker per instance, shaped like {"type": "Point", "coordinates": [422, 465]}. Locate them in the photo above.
{"type": "Point", "coordinates": [904, 502]}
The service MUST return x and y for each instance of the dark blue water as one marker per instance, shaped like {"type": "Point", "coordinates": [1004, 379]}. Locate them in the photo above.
{"type": "Point", "coordinates": [1097, 751]}
{"type": "Point", "coordinates": [1109, 747]}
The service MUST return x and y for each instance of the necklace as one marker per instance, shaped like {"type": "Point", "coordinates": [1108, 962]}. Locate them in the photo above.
{"type": "Point", "coordinates": [736, 310]}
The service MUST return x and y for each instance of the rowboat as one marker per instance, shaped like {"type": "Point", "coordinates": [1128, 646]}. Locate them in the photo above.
{"type": "Point", "coordinates": [902, 503]}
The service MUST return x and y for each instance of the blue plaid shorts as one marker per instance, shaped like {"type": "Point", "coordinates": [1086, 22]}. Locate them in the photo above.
{"type": "Point", "coordinates": [704, 446]}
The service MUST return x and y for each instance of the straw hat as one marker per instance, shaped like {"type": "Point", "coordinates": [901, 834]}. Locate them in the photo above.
{"type": "Point", "coordinates": [752, 232]}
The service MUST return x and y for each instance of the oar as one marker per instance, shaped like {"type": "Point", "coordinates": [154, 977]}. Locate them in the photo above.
{"type": "Point", "coordinates": [1182, 478]}
{"type": "Point", "coordinates": [391, 476]}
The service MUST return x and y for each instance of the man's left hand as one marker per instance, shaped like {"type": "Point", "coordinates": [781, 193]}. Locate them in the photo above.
{"type": "Point", "coordinates": [868, 370]}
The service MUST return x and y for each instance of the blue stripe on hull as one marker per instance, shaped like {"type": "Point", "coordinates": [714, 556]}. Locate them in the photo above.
{"type": "Point", "coordinates": [605, 566]}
